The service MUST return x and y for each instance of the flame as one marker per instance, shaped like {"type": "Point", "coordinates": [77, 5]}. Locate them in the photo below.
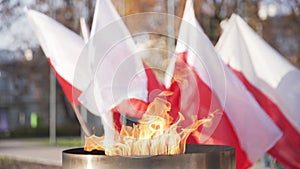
{"type": "Point", "coordinates": [155, 134]}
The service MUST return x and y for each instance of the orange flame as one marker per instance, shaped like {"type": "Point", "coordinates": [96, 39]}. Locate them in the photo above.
{"type": "Point", "coordinates": [153, 135]}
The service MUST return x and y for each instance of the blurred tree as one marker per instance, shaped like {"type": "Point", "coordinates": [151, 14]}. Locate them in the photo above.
{"type": "Point", "coordinates": [283, 31]}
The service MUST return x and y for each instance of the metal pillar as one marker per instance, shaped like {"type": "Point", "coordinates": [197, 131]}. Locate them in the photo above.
{"type": "Point", "coordinates": [52, 98]}
{"type": "Point", "coordinates": [85, 34]}
{"type": "Point", "coordinates": [52, 110]}
{"type": "Point", "coordinates": [84, 116]}
{"type": "Point", "coordinates": [171, 26]}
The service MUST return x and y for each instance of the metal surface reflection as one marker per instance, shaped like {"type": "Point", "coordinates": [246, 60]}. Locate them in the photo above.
{"type": "Point", "coordinates": [196, 156]}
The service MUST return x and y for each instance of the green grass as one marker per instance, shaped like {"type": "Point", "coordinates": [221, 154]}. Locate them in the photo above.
{"type": "Point", "coordinates": [69, 142]}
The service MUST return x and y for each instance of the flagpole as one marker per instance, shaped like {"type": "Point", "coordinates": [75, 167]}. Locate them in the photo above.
{"type": "Point", "coordinates": [84, 129]}
{"type": "Point", "coordinates": [52, 109]}
{"type": "Point", "coordinates": [122, 14]}
{"type": "Point", "coordinates": [84, 30]}
{"type": "Point", "coordinates": [81, 120]}
{"type": "Point", "coordinates": [52, 101]}
{"type": "Point", "coordinates": [171, 26]}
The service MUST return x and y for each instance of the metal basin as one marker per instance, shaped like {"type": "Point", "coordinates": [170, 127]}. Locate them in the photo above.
{"type": "Point", "coordinates": [196, 157]}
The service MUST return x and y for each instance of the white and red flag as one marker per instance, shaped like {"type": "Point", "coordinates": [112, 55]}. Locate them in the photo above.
{"type": "Point", "coordinates": [243, 124]}
{"type": "Point", "coordinates": [271, 79]}
{"type": "Point", "coordinates": [62, 48]}
{"type": "Point", "coordinates": [118, 72]}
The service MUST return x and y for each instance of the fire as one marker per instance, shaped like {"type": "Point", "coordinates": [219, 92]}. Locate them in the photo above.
{"type": "Point", "coordinates": [155, 134]}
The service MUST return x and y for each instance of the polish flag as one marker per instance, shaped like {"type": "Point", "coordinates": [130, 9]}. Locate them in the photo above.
{"type": "Point", "coordinates": [62, 48]}
{"type": "Point", "coordinates": [118, 74]}
{"type": "Point", "coordinates": [271, 79]}
{"type": "Point", "coordinates": [243, 124]}
{"type": "Point", "coordinates": [113, 52]}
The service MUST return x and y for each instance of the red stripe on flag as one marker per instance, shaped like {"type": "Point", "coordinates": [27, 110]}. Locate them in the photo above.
{"type": "Point", "coordinates": [70, 91]}
{"type": "Point", "coordinates": [129, 107]}
{"type": "Point", "coordinates": [154, 88]}
{"type": "Point", "coordinates": [136, 108]}
{"type": "Point", "coordinates": [287, 149]}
